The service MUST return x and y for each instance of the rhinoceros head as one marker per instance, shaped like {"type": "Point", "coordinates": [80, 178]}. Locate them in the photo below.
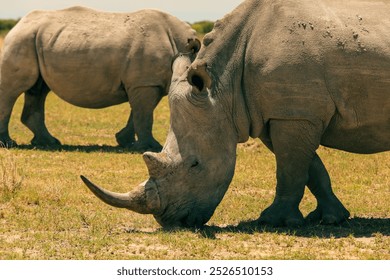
{"type": "Point", "coordinates": [189, 178]}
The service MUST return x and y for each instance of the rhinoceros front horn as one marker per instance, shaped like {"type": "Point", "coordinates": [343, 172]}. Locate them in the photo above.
{"type": "Point", "coordinates": [144, 199]}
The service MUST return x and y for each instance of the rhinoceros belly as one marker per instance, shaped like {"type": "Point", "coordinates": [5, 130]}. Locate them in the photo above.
{"type": "Point", "coordinates": [88, 91]}
{"type": "Point", "coordinates": [360, 89]}
{"type": "Point", "coordinates": [85, 78]}
{"type": "Point", "coordinates": [92, 99]}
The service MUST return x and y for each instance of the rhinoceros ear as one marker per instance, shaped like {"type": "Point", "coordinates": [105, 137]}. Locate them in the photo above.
{"type": "Point", "coordinates": [198, 76]}
{"type": "Point", "coordinates": [193, 45]}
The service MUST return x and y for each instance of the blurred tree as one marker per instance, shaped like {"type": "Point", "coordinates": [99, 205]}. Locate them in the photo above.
{"type": "Point", "coordinates": [7, 24]}
{"type": "Point", "coordinates": [203, 27]}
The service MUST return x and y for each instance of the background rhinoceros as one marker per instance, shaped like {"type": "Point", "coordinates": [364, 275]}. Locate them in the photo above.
{"type": "Point", "coordinates": [91, 59]}
{"type": "Point", "coordinates": [296, 74]}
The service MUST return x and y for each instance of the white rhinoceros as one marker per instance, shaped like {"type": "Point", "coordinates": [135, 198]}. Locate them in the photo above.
{"type": "Point", "coordinates": [296, 74]}
{"type": "Point", "coordinates": [91, 59]}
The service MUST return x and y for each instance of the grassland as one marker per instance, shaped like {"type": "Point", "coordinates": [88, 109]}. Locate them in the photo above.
{"type": "Point", "coordinates": [47, 213]}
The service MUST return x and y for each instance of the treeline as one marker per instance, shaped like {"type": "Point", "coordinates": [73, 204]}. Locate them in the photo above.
{"type": "Point", "coordinates": [202, 27]}
{"type": "Point", "coordinates": [7, 24]}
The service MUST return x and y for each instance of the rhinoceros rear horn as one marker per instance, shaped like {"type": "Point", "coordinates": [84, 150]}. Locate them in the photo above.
{"type": "Point", "coordinates": [193, 45]}
{"type": "Point", "coordinates": [144, 199]}
{"type": "Point", "coordinates": [198, 77]}
{"type": "Point", "coordinates": [157, 164]}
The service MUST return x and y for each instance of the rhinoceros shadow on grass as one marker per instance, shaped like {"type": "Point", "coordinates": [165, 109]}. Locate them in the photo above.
{"type": "Point", "coordinates": [85, 148]}
{"type": "Point", "coordinates": [356, 227]}
{"type": "Point", "coordinates": [91, 59]}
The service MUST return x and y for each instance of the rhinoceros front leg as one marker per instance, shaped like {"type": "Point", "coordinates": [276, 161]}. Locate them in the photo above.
{"type": "Point", "coordinates": [126, 137]}
{"type": "Point", "coordinates": [294, 144]}
{"type": "Point", "coordinates": [329, 208]}
{"type": "Point", "coordinates": [143, 101]}
{"type": "Point", "coordinates": [33, 115]}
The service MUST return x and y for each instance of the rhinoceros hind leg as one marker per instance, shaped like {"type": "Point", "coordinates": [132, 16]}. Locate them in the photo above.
{"type": "Point", "coordinates": [33, 115]}
{"type": "Point", "coordinates": [6, 141]}
{"type": "Point", "coordinates": [294, 144]}
{"type": "Point", "coordinates": [8, 98]}
{"type": "Point", "coordinates": [19, 72]}
{"type": "Point", "coordinates": [6, 105]}
{"type": "Point", "coordinates": [329, 208]}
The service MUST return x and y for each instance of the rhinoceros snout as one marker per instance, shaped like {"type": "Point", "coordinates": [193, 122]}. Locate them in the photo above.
{"type": "Point", "coordinates": [190, 218]}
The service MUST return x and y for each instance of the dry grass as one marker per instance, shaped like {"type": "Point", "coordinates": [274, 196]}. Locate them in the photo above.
{"type": "Point", "coordinates": [10, 177]}
{"type": "Point", "coordinates": [51, 214]}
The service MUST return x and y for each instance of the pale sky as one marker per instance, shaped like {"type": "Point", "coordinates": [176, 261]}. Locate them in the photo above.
{"type": "Point", "coordinates": [188, 10]}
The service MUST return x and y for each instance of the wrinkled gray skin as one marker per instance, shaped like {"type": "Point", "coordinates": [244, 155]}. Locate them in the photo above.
{"type": "Point", "coordinates": [91, 59]}
{"type": "Point", "coordinates": [297, 75]}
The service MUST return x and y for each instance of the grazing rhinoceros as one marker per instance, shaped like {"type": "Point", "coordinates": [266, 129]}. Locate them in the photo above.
{"type": "Point", "coordinates": [91, 59]}
{"type": "Point", "coordinates": [296, 74]}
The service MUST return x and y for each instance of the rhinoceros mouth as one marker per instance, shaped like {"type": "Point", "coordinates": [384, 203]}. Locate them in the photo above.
{"type": "Point", "coordinates": [189, 216]}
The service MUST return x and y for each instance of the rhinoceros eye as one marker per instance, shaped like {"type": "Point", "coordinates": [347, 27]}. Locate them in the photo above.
{"type": "Point", "coordinates": [195, 167]}
{"type": "Point", "coordinates": [195, 164]}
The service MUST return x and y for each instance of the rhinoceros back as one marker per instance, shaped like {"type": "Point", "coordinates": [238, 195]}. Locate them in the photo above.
{"type": "Point", "coordinates": [93, 59]}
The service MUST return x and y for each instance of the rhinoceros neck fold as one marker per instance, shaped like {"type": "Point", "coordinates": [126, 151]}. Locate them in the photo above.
{"type": "Point", "coordinates": [224, 52]}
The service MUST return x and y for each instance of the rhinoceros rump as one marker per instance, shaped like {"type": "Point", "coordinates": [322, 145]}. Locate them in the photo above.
{"type": "Point", "coordinates": [297, 75]}
{"type": "Point", "coordinates": [91, 59]}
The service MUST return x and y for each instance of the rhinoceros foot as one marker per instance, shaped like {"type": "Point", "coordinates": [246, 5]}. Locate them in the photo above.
{"type": "Point", "coordinates": [141, 146]}
{"type": "Point", "coordinates": [150, 146]}
{"type": "Point", "coordinates": [45, 141]}
{"type": "Point", "coordinates": [7, 142]}
{"type": "Point", "coordinates": [282, 214]}
{"type": "Point", "coordinates": [125, 138]}
{"type": "Point", "coordinates": [329, 213]}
